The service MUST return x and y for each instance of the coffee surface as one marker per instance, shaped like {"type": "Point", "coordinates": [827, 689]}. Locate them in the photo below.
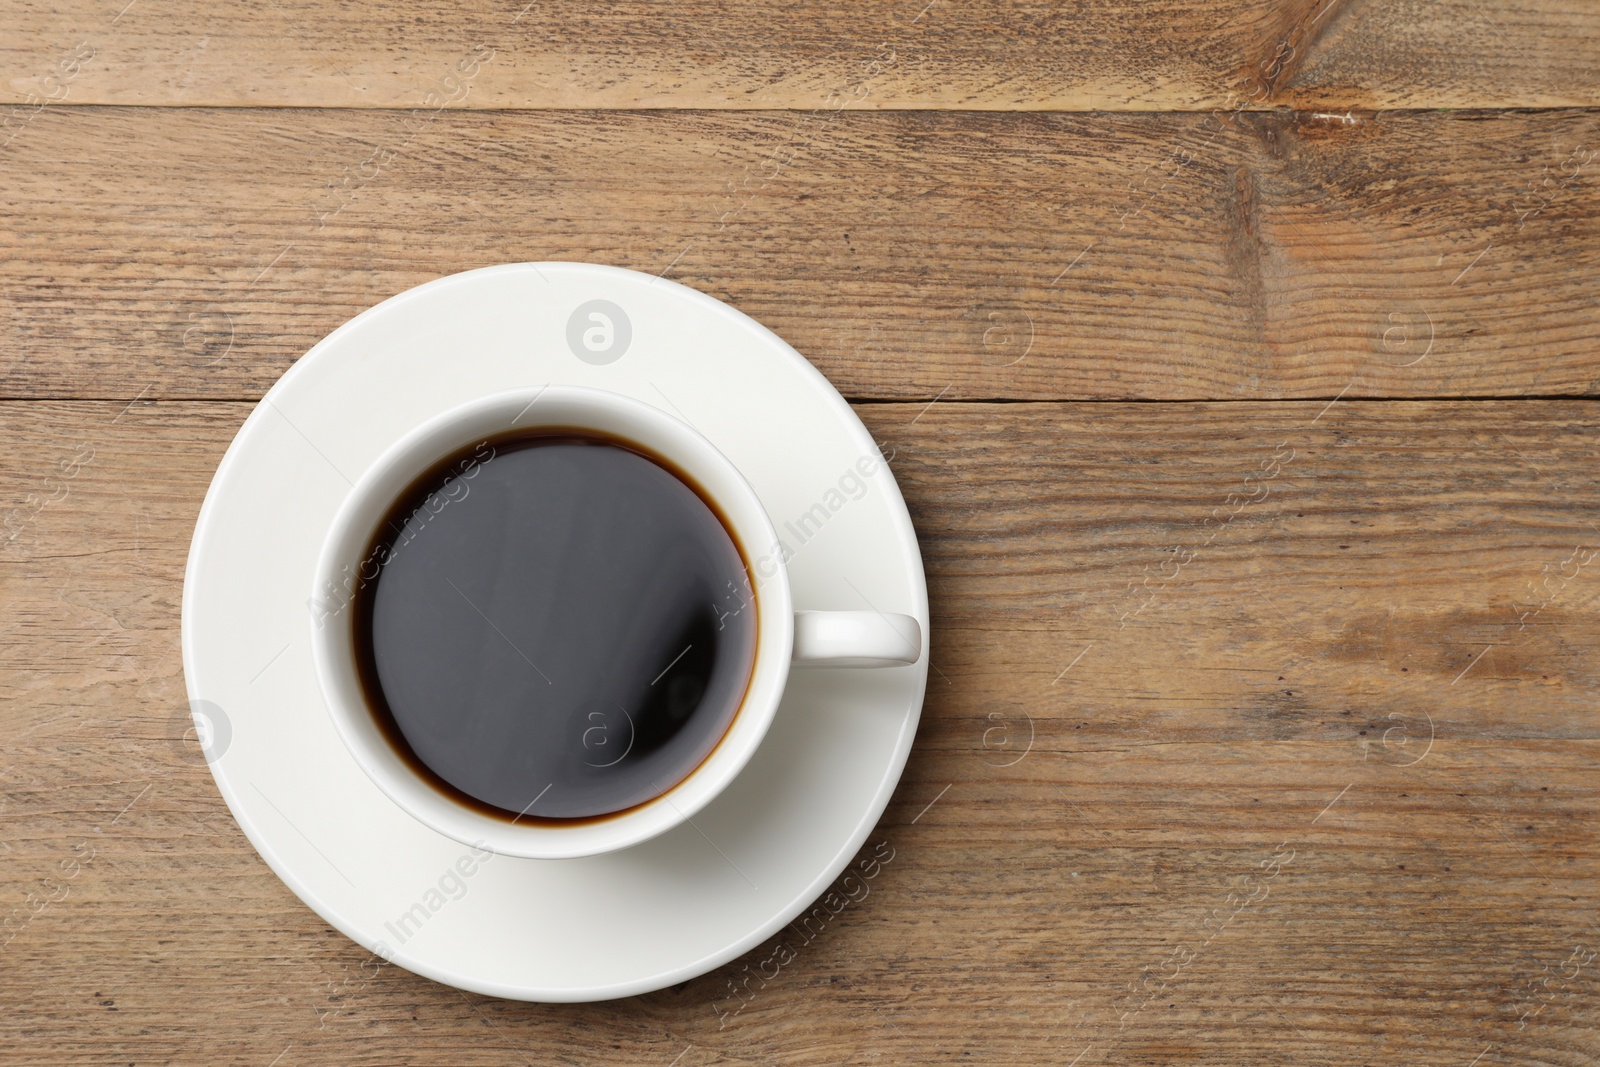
{"type": "Point", "coordinates": [560, 627]}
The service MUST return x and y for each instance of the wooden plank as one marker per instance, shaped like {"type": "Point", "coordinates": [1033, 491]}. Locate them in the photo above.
{"type": "Point", "coordinates": [1260, 731]}
{"type": "Point", "coordinates": [1015, 55]}
{"type": "Point", "coordinates": [198, 252]}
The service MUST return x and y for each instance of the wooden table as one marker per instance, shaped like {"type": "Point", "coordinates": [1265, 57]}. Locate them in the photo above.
{"type": "Point", "coordinates": [1238, 363]}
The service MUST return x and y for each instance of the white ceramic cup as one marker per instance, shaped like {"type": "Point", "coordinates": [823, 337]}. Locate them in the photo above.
{"type": "Point", "coordinates": [784, 638]}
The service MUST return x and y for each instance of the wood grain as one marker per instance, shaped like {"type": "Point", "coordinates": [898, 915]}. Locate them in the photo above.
{"type": "Point", "coordinates": [1262, 725]}
{"type": "Point", "coordinates": [1104, 55]}
{"type": "Point", "coordinates": [1310, 782]}
{"type": "Point", "coordinates": [197, 253]}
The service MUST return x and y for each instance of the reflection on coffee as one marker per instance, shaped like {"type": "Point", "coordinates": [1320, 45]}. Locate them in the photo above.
{"type": "Point", "coordinates": [561, 626]}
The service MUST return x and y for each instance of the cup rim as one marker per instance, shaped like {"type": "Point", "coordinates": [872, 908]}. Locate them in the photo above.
{"type": "Point", "coordinates": [340, 562]}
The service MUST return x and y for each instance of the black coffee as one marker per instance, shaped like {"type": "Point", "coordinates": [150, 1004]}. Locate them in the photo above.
{"type": "Point", "coordinates": [560, 626]}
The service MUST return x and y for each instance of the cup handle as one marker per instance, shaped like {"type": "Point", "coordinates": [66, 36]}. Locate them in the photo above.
{"type": "Point", "coordinates": [855, 639]}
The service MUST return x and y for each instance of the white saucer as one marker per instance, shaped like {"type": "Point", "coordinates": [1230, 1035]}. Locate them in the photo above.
{"type": "Point", "coordinates": [552, 930]}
